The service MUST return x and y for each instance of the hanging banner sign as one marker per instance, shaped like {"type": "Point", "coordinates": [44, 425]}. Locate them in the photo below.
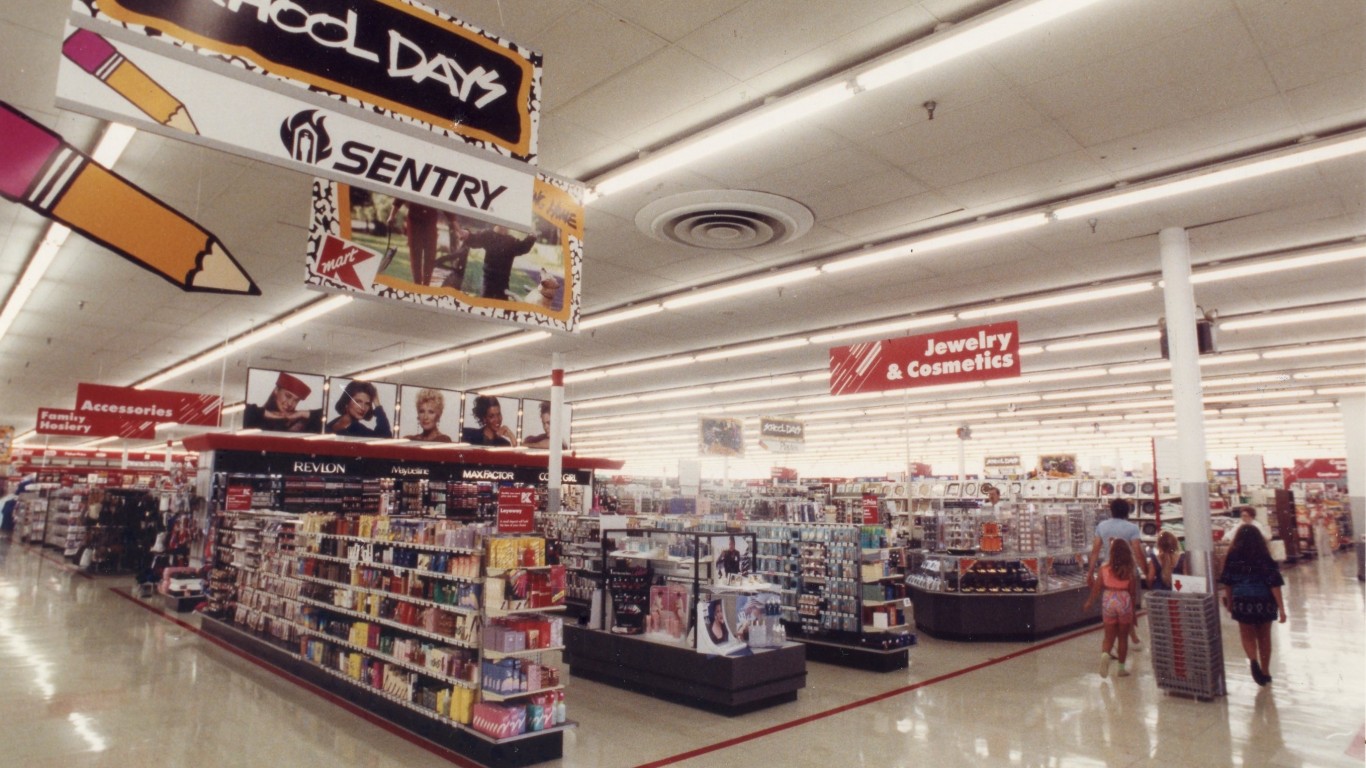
{"type": "Point", "coordinates": [60, 421]}
{"type": "Point", "coordinates": [516, 510]}
{"type": "Point", "coordinates": [720, 437]}
{"type": "Point", "coordinates": [1317, 469]}
{"type": "Point", "coordinates": [156, 404]}
{"type": "Point", "coordinates": [781, 435]}
{"type": "Point", "coordinates": [391, 57]}
{"type": "Point", "coordinates": [1001, 462]}
{"type": "Point", "coordinates": [944, 357]}
{"type": "Point", "coordinates": [275, 126]}
{"type": "Point", "coordinates": [379, 246]}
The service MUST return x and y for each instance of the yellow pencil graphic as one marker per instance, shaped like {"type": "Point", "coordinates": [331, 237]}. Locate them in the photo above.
{"type": "Point", "coordinates": [44, 173]}
{"type": "Point", "coordinates": [95, 55]}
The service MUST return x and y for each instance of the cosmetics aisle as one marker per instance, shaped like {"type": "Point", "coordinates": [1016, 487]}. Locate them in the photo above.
{"type": "Point", "coordinates": [90, 676]}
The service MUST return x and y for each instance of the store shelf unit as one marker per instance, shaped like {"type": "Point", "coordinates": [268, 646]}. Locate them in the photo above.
{"type": "Point", "coordinates": [659, 580]}
{"type": "Point", "coordinates": [575, 541]}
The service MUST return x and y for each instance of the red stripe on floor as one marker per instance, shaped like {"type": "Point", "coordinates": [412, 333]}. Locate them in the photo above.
{"type": "Point", "coordinates": [368, 716]}
{"type": "Point", "coordinates": [720, 745]}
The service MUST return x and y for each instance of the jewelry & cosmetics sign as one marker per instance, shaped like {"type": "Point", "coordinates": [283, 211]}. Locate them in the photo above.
{"type": "Point", "coordinates": [977, 353]}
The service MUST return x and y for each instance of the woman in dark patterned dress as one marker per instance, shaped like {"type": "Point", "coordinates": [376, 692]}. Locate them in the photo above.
{"type": "Point", "coordinates": [1252, 592]}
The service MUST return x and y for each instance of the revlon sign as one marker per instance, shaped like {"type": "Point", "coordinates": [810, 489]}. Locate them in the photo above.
{"type": "Point", "coordinates": [944, 357]}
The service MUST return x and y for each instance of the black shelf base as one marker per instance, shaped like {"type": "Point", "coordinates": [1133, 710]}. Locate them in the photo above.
{"type": "Point", "coordinates": [528, 750]}
{"type": "Point", "coordinates": [727, 685]}
{"type": "Point", "coordinates": [1014, 618]}
{"type": "Point", "coordinates": [854, 656]}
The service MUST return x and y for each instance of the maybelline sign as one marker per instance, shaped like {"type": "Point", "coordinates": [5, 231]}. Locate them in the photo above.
{"type": "Point", "coordinates": [382, 55]}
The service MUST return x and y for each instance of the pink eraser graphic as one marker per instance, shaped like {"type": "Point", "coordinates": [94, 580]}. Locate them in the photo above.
{"type": "Point", "coordinates": [88, 50]}
{"type": "Point", "coordinates": [25, 147]}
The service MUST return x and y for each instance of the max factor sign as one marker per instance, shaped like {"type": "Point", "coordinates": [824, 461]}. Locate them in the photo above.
{"type": "Point", "coordinates": [390, 54]}
{"type": "Point", "coordinates": [487, 474]}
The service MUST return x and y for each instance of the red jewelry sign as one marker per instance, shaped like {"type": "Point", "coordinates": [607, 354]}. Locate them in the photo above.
{"type": "Point", "coordinates": [158, 405]}
{"type": "Point", "coordinates": [516, 510]}
{"type": "Point", "coordinates": [944, 357]}
{"type": "Point", "coordinates": [60, 421]}
{"type": "Point", "coordinates": [1317, 469]}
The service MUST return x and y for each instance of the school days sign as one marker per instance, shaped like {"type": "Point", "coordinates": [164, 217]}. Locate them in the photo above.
{"type": "Point", "coordinates": [386, 55]}
{"type": "Point", "coordinates": [945, 357]}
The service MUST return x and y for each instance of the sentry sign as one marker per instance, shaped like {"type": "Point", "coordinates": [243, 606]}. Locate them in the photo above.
{"type": "Point", "coordinates": [978, 353]}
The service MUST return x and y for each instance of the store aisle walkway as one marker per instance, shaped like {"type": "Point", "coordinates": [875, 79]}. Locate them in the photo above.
{"type": "Point", "coordinates": [92, 677]}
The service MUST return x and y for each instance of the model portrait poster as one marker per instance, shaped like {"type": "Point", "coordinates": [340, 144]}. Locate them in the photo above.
{"type": "Point", "coordinates": [1058, 465]}
{"type": "Point", "coordinates": [490, 421]}
{"type": "Point", "coordinates": [284, 401]}
{"type": "Point", "coordinates": [357, 408]}
{"type": "Point", "coordinates": [430, 415]}
{"type": "Point", "coordinates": [373, 244]}
{"type": "Point", "coordinates": [721, 437]}
{"type": "Point", "coordinates": [536, 424]}
{"type": "Point", "coordinates": [716, 627]}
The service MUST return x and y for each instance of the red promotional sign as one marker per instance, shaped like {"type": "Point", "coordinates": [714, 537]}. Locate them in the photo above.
{"type": "Point", "coordinates": [238, 498]}
{"type": "Point", "coordinates": [945, 357]}
{"type": "Point", "coordinates": [60, 421]}
{"type": "Point", "coordinates": [870, 516]}
{"type": "Point", "coordinates": [1317, 469]}
{"type": "Point", "coordinates": [346, 262]}
{"type": "Point", "coordinates": [787, 474]}
{"type": "Point", "coordinates": [516, 510]}
{"type": "Point", "coordinates": [155, 404]}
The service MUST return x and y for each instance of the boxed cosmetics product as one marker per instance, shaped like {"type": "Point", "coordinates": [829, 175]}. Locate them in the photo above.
{"type": "Point", "coordinates": [498, 721]}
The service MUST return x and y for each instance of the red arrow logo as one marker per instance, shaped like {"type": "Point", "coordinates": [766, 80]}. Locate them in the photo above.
{"type": "Point", "coordinates": [339, 261]}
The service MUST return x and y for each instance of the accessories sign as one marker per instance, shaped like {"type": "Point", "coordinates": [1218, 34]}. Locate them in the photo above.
{"type": "Point", "coordinates": [944, 357]}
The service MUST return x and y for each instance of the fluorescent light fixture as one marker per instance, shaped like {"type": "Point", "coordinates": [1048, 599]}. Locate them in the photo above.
{"type": "Point", "coordinates": [816, 376]}
{"type": "Point", "coordinates": [883, 328]}
{"type": "Point", "coordinates": [963, 417]}
{"type": "Point", "coordinates": [578, 377]}
{"type": "Point", "coordinates": [617, 316]}
{"type": "Point", "coordinates": [315, 310]}
{"type": "Point", "coordinates": [1315, 350]}
{"type": "Point", "coordinates": [1286, 318]}
{"type": "Point", "coordinates": [960, 40]}
{"type": "Point", "coordinates": [440, 358]}
{"type": "Point", "coordinates": [1331, 374]}
{"type": "Point", "coordinates": [1157, 365]}
{"type": "Point", "coordinates": [507, 342]}
{"type": "Point", "coordinates": [749, 126]}
{"type": "Point", "coordinates": [752, 349]}
{"type": "Point", "coordinates": [1268, 395]}
{"type": "Point", "coordinates": [1264, 266]}
{"type": "Point", "coordinates": [650, 365]}
{"type": "Point", "coordinates": [606, 402]}
{"type": "Point", "coordinates": [380, 373]}
{"type": "Point", "coordinates": [1228, 359]}
{"type": "Point", "coordinates": [773, 280]}
{"type": "Point", "coordinates": [1133, 405]}
{"type": "Point", "coordinates": [1029, 412]}
{"type": "Point", "coordinates": [829, 399]}
{"type": "Point", "coordinates": [1274, 408]}
{"type": "Point", "coordinates": [777, 381]}
{"type": "Point", "coordinates": [521, 386]}
{"type": "Point", "coordinates": [1046, 376]}
{"type": "Point", "coordinates": [963, 236]}
{"type": "Point", "coordinates": [987, 402]}
{"type": "Point", "coordinates": [1057, 300]}
{"type": "Point", "coordinates": [1031, 349]}
{"type": "Point", "coordinates": [1101, 392]}
{"type": "Point", "coordinates": [1113, 340]}
{"type": "Point", "coordinates": [1353, 390]}
{"type": "Point", "coordinates": [670, 394]}
{"type": "Point", "coordinates": [1274, 162]}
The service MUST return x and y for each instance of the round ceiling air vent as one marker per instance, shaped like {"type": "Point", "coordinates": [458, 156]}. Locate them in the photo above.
{"type": "Point", "coordinates": [724, 219]}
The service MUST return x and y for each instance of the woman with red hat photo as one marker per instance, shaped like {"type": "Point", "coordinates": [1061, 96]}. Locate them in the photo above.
{"type": "Point", "coordinates": [281, 412]}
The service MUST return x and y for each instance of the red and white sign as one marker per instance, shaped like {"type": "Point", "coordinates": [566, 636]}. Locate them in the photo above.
{"type": "Point", "coordinates": [348, 263]}
{"type": "Point", "coordinates": [516, 510]}
{"type": "Point", "coordinates": [238, 498]}
{"type": "Point", "coordinates": [1317, 469]}
{"type": "Point", "coordinates": [944, 357]}
{"type": "Point", "coordinates": [157, 405]}
{"type": "Point", "coordinates": [784, 474]}
{"type": "Point", "coordinates": [60, 421]}
{"type": "Point", "coordinates": [870, 516]}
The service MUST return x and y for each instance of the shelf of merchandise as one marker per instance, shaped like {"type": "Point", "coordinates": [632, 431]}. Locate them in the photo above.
{"type": "Point", "coordinates": [269, 625]}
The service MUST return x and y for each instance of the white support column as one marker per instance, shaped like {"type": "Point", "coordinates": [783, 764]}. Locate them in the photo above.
{"type": "Point", "coordinates": [557, 430]}
{"type": "Point", "coordinates": [1353, 408]}
{"type": "Point", "coordinates": [1187, 396]}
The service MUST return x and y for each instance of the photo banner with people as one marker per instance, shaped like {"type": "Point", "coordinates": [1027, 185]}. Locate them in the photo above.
{"type": "Point", "coordinates": [536, 424]}
{"type": "Point", "coordinates": [721, 437]}
{"type": "Point", "coordinates": [490, 421]}
{"type": "Point", "coordinates": [284, 401]}
{"type": "Point", "coordinates": [379, 246]}
{"type": "Point", "coordinates": [360, 408]}
{"type": "Point", "coordinates": [430, 415]}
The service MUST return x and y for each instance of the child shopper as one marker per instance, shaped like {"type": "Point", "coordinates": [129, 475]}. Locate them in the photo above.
{"type": "Point", "coordinates": [1117, 588]}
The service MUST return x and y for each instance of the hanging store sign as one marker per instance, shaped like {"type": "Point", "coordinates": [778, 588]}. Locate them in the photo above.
{"type": "Point", "coordinates": [721, 437]}
{"type": "Point", "coordinates": [516, 510]}
{"type": "Point", "coordinates": [389, 57]}
{"type": "Point", "coordinates": [277, 127]}
{"type": "Point", "coordinates": [945, 357]}
{"type": "Point", "coordinates": [60, 421]}
{"type": "Point", "coordinates": [156, 404]}
{"type": "Point", "coordinates": [1001, 462]}
{"type": "Point", "coordinates": [781, 435]}
{"type": "Point", "coordinates": [1317, 469]}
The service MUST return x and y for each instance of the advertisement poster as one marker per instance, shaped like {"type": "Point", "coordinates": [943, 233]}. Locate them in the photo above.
{"type": "Point", "coordinates": [490, 421]}
{"type": "Point", "coordinates": [721, 437]}
{"type": "Point", "coordinates": [716, 622]}
{"type": "Point", "coordinates": [284, 401]}
{"type": "Point", "coordinates": [392, 58]}
{"type": "Point", "coordinates": [734, 558]}
{"type": "Point", "coordinates": [385, 247]}
{"type": "Point", "coordinates": [1058, 465]}
{"type": "Point", "coordinates": [516, 510]}
{"type": "Point", "coordinates": [536, 418]}
{"type": "Point", "coordinates": [781, 435]}
{"type": "Point", "coordinates": [978, 353]}
{"type": "Point", "coordinates": [430, 415]}
{"type": "Point", "coordinates": [360, 408]}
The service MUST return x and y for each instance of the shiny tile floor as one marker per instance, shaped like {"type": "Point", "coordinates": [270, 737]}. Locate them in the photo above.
{"type": "Point", "coordinates": [88, 677]}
